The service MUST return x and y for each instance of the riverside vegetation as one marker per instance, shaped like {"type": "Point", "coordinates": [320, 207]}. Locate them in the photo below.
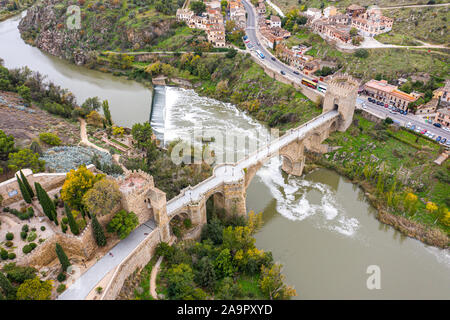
{"type": "Point", "coordinates": [224, 265]}
{"type": "Point", "coordinates": [395, 167]}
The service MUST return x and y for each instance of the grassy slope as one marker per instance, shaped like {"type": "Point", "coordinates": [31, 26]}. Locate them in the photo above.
{"type": "Point", "coordinates": [391, 63]}
{"type": "Point", "coordinates": [426, 24]}
{"type": "Point", "coordinates": [289, 4]}
{"type": "Point", "coordinates": [397, 154]}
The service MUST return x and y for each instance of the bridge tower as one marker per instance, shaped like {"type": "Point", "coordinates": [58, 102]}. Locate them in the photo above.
{"type": "Point", "coordinates": [341, 96]}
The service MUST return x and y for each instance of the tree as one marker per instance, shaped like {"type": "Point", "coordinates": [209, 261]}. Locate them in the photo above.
{"type": "Point", "coordinates": [205, 275]}
{"type": "Point", "coordinates": [97, 229]}
{"type": "Point", "coordinates": [25, 158]}
{"type": "Point", "coordinates": [198, 7]}
{"type": "Point", "coordinates": [272, 283]}
{"type": "Point", "coordinates": [35, 289]}
{"type": "Point", "coordinates": [361, 53]}
{"type": "Point", "coordinates": [46, 203]}
{"type": "Point", "coordinates": [142, 134]}
{"type": "Point", "coordinates": [94, 118]}
{"type": "Point", "coordinates": [180, 282]}
{"type": "Point", "coordinates": [102, 198]}
{"type": "Point", "coordinates": [107, 113]}
{"type": "Point", "coordinates": [6, 286]}
{"type": "Point", "coordinates": [25, 93]}
{"type": "Point", "coordinates": [6, 145]}
{"type": "Point", "coordinates": [62, 257]}
{"type": "Point", "coordinates": [223, 264]}
{"type": "Point", "coordinates": [353, 31]}
{"type": "Point", "coordinates": [26, 184]}
{"type": "Point", "coordinates": [123, 223]}
{"type": "Point", "coordinates": [25, 194]}
{"type": "Point", "coordinates": [50, 138]}
{"type": "Point", "coordinates": [77, 183]}
{"type": "Point", "coordinates": [72, 223]}
{"type": "Point", "coordinates": [90, 104]}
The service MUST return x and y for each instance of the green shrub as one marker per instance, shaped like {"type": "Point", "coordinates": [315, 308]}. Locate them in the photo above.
{"type": "Point", "coordinates": [50, 138]}
{"type": "Point", "coordinates": [43, 228]}
{"type": "Point", "coordinates": [9, 244]}
{"type": "Point", "coordinates": [61, 288]}
{"type": "Point", "coordinates": [27, 249]}
{"type": "Point", "coordinates": [25, 228]}
{"type": "Point", "coordinates": [32, 236]}
{"type": "Point", "coordinates": [176, 231]}
{"type": "Point", "coordinates": [187, 223]}
{"type": "Point", "coordinates": [65, 220]}
{"type": "Point", "coordinates": [4, 254]}
{"type": "Point", "coordinates": [19, 274]}
{"type": "Point", "coordinates": [23, 235]}
{"type": "Point", "coordinates": [61, 277]}
{"type": "Point", "coordinates": [9, 236]}
{"type": "Point", "coordinates": [11, 256]}
{"type": "Point", "coordinates": [33, 245]}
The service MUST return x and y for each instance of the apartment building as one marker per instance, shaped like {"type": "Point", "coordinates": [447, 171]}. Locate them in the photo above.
{"type": "Point", "coordinates": [390, 94]}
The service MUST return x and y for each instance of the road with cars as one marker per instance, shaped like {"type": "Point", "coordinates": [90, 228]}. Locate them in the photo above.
{"type": "Point", "coordinates": [270, 60]}
{"type": "Point", "coordinates": [254, 44]}
{"type": "Point", "coordinates": [408, 120]}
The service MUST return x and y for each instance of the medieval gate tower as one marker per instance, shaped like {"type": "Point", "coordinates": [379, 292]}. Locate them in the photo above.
{"type": "Point", "coordinates": [341, 95]}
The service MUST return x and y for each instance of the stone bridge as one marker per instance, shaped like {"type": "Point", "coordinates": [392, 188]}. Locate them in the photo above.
{"type": "Point", "coordinates": [229, 181]}
{"type": "Point", "coordinates": [227, 186]}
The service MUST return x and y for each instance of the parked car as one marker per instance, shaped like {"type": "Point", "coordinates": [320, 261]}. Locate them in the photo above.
{"type": "Point", "coordinates": [282, 72]}
{"type": "Point", "coordinates": [370, 99]}
{"type": "Point", "coordinates": [446, 129]}
{"type": "Point", "coordinates": [408, 125]}
{"type": "Point", "coordinates": [438, 138]}
{"type": "Point", "coordinates": [386, 105]}
{"type": "Point", "coordinates": [413, 127]}
{"type": "Point", "coordinates": [297, 73]}
{"type": "Point", "coordinates": [423, 131]}
{"type": "Point", "coordinates": [379, 103]}
{"type": "Point", "coordinates": [315, 80]}
{"type": "Point", "coordinates": [273, 58]}
{"type": "Point", "coordinates": [437, 124]}
{"type": "Point", "coordinates": [444, 140]}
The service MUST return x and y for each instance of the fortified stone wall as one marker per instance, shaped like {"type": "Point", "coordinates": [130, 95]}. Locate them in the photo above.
{"type": "Point", "coordinates": [137, 259]}
{"type": "Point", "coordinates": [83, 245]}
{"type": "Point", "coordinates": [10, 191]}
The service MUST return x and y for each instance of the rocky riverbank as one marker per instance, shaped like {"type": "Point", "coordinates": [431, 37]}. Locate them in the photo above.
{"type": "Point", "coordinates": [107, 25]}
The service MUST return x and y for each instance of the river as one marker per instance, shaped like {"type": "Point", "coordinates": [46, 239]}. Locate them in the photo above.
{"type": "Point", "coordinates": [128, 100]}
{"type": "Point", "coordinates": [319, 226]}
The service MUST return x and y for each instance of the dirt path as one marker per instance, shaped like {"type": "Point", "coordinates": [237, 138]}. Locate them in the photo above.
{"type": "Point", "coordinates": [84, 137]}
{"type": "Point", "coordinates": [153, 275]}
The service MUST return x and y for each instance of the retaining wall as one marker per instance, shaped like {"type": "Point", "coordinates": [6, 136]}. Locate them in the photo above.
{"type": "Point", "coordinates": [137, 259]}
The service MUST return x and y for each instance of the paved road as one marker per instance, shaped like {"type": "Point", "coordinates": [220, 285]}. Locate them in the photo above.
{"type": "Point", "coordinates": [88, 280]}
{"type": "Point", "coordinates": [275, 64]}
{"type": "Point", "coordinates": [403, 119]}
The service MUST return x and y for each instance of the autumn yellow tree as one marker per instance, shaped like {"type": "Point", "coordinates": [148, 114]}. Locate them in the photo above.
{"type": "Point", "coordinates": [272, 283]}
{"type": "Point", "coordinates": [118, 131]}
{"type": "Point", "coordinates": [102, 198]}
{"type": "Point", "coordinates": [94, 118]}
{"type": "Point", "coordinates": [410, 203]}
{"type": "Point", "coordinates": [77, 183]}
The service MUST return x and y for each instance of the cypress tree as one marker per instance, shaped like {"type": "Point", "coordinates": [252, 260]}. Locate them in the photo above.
{"type": "Point", "coordinates": [97, 229]}
{"type": "Point", "coordinates": [26, 196]}
{"type": "Point", "coordinates": [46, 203]}
{"type": "Point", "coordinates": [72, 223]}
{"type": "Point", "coordinates": [65, 263]}
{"type": "Point", "coordinates": [26, 184]}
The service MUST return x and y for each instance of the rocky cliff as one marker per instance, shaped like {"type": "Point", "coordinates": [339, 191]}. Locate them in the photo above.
{"type": "Point", "coordinates": [111, 25]}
